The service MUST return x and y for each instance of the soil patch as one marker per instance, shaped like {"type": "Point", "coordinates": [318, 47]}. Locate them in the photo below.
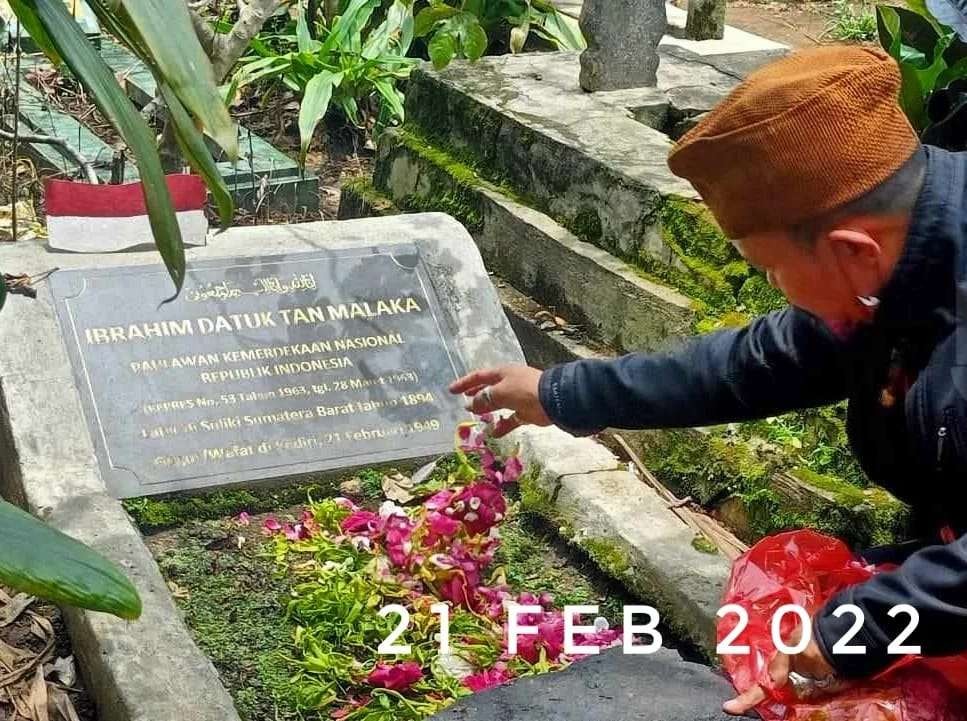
{"type": "Point", "coordinates": [34, 645]}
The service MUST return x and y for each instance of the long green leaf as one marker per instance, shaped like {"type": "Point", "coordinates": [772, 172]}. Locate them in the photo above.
{"type": "Point", "coordinates": [31, 23]}
{"type": "Point", "coordinates": [3, 291]}
{"type": "Point", "coordinates": [86, 64]}
{"type": "Point", "coordinates": [315, 103]}
{"type": "Point", "coordinates": [175, 54]}
{"type": "Point", "coordinates": [196, 152]}
{"type": "Point", "coordinates": [350, 23]}
{"type": "Point", "coordinates": [42, 561]}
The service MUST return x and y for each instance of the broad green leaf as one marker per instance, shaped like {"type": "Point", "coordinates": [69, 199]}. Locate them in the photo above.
{"type": "Point", "coordinates": [198, 155]}
{"type": "Point", "coordinates": [562, 31]}
{"type": "Point", "coordinates": [952, 73]}
{"type": "Point", "coordinates": [394, 33]}
{"type": "Point", "coordinates": [177, 58]}
{"type": "Point", "coordinates": [888, 28]}
{"type": "Point", "coordinates": [442, 48]}
{"type": "Point", "coordinates": [315, 103]}
{"type": "Point", "coordinates": [40, 560]}
{"type": "Point", "coordinates": [474, 41]}
{"type": "Point", "coordinates": [31, 23]}
{"type": "Point", "coordinates": [428, 17]}
{"type": "Point", "coordinates": [87, 66]}
{"type": "Point", "coordinates": [917, 32]}
{"type": "Point", "coordinates": [921, 9]}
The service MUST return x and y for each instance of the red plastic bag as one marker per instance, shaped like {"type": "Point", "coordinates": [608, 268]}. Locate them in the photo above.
{"type": "Point", "coordinates": [805, 569]}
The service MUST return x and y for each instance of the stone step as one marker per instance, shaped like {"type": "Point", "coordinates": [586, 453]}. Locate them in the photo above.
{"type": "Point", "coordinates": [755, 487]}
{"type": "Point", "coordinates": [611, 686]}
{"type": "Point", "coordinates": [596, 163]}
{"type": "Point", "coordinates": [614, 302]}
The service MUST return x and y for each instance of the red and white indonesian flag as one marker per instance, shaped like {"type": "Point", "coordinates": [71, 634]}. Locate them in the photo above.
{"type": "Point", "coordinates": [86, 218]}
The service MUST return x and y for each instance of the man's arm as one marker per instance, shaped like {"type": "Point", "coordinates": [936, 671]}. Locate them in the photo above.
{"type": "Point", "coordinates": [785, 360]}
{"type": "Point", "coordinates": [934, 580]}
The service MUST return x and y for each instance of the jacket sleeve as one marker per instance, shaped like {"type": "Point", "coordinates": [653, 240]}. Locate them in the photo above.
{"type": "Point", "coordinates": [785, 360]}
{"type": "Point", "coordinates": [933, 580]}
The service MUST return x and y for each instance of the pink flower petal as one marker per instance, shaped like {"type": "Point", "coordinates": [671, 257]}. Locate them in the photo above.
{"type": "Point", "coordinates": [243, 518]}
{"type": "Point", "coordinates": [395, 677]}
{"type": "Point", "coordinates": [270, 526]}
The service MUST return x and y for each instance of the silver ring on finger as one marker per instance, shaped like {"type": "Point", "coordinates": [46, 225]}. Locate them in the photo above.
{"type": "Point", "coordinates": [488, 398]}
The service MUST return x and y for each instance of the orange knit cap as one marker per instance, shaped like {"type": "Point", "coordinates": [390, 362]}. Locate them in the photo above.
{"type": "Point", "coordinates": [800, 137]}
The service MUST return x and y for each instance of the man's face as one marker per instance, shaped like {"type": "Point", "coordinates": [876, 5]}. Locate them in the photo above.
{"type": "Point", "coordinates": [809, 275]}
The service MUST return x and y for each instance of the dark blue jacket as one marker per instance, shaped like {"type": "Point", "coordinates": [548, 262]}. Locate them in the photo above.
{"type": "Point", "coordinates": [915, 446]}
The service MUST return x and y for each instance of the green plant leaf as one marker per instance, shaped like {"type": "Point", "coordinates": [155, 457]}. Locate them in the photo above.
{"type": "Point", "coordinates": [428, 17]}
{"type": "Point", "coordinates": [177, 58]}
{"type": "Point", "coordinates": [475, 41]}
{"type": "Point", "coordinates": [315, 103]}
{"type": "Point", "coordinates": [888, 28]}
{"type": "Point", "coordinates": [86, 64]}
{"type": "Point", "coordinates": [349, 24]}
{"type": "Point", "coordinates": [955, 72]}
{"type": "Point", "coordinates": [918, 32]}
{"type": "Point", "coordinates": [442, 49]}
{"type": "Point", "coordinates": [305, 42]}
{"type": "Point", "coordinates": [563, 32]}
{"type": "Point", "coordinates": [391, 97]}
{"type": "Point", "coordinates": [198, 155]}
{"type": "Point", "coordinates": [40, 560]}
{"type": "Point", "coordinates": [3, 291]}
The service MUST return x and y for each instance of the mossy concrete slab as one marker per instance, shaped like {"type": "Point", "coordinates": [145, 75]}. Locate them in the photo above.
{"type": "Point", "coordinates": [612, 300]}
{"type": "Point", "coordinates": [599, 506]}
{"type": "Point", "coordinates": [583, 158]}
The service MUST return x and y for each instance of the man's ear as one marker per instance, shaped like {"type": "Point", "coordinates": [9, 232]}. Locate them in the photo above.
{"type": "Point", "coordinates": [853, 246]}
{"type": "Point", "coordinates": [858, 255]}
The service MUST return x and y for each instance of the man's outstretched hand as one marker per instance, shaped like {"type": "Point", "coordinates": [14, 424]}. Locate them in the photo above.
{"type": "Point", "coordinates": [810, 663]}
{"type": "Point", "coordinates": [514, 388]}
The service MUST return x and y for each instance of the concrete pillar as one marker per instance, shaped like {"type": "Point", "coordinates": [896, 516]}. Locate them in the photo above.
{"type": "Point", "coordinates": [623, 37]}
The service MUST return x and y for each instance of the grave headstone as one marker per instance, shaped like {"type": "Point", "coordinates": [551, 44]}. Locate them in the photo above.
{"type": "Point", "coordinates": [706, 20]}
{"type": "Point", "coordinates": [623, 37]}
{"type": "Point", "coordinates": [263, 367]}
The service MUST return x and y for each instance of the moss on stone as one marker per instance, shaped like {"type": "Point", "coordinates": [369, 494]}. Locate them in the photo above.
{"type": "Point", "coordinates": [758, 297]}
{"type": "Point", "coordinates": [694, 230]}
{"type": "Point", "coordinates": [160, 512]}
{"type": "Point", "coordinates": [719, 465]}
{"type": "Point", "coordinates": [586, 225]}
{"type": "Point", "coordinates": [371, 201]}
{"type": "Point", "coordinates": [702, 544]}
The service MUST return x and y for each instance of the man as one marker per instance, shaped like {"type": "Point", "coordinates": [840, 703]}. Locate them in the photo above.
{"type": "Point", "coordinates": [814, 171]}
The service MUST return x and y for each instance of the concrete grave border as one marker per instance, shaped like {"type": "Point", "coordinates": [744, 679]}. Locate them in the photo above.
{"type": "Point", "coordinates": [151, 670]}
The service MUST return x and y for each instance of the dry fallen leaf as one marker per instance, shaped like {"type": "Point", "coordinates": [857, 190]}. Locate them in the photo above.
{"type": "Point", "coordinates": [178, 592]}
{"type": "Point", "coordinates": [64, 670]}
{"type": "Point", "coordinates": [61, 707]}
{"type": "Point", "coordinates": [15, 608]}
{"type": "Point", "coordinates": [38, 696]}
{"type": "Point", "coordinates": [397, 488]}
{"type": "Point", "coordinates": [10, 656]}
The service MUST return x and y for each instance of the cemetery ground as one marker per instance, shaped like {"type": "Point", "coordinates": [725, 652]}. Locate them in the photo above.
{"type": "Point", "coordinates": [593, 251]}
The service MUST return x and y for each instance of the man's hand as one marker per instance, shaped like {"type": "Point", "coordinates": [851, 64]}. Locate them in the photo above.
{"type": "Point", "coordinates": [514, 388]}
{"type": "Point", "coordinates": [810, 663]}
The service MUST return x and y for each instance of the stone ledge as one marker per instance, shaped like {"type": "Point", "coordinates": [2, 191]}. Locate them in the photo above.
{"type": "Point", "coordinates": [580, 487]}
{"type": "Point", "coordinates": [615, 302]}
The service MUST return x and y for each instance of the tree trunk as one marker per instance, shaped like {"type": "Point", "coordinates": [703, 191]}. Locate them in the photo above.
{"type": "Point", "coordinates": [706, 20]}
